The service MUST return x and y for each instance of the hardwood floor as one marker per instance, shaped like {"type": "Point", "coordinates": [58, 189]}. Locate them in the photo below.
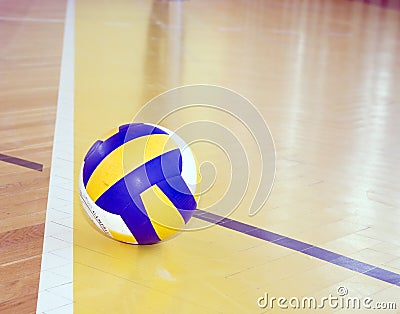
{"type": "Point", "coordinates": [324, 75]}
{"type": "Point", "coordinates": [31, 38]}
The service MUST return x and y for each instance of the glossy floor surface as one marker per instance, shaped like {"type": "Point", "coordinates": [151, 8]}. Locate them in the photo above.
{"type": "Point", "coordinates": [324, 76]}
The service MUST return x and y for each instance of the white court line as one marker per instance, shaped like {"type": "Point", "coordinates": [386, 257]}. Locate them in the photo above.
{"type": "Point", "coordinates": [29, 19]}
{"type": "Point", "coordinates": [56, 275]}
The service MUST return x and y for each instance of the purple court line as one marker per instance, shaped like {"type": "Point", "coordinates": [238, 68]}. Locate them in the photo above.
{"type": "Point", "coordinates": [21, 162]}
{"type": "Point", "coordinates": [302, 247]}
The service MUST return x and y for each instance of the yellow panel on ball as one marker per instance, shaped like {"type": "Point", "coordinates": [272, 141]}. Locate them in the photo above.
{"type": "Point", "coordinates": [166, 219]}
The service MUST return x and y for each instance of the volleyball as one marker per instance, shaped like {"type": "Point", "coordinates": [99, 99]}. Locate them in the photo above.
{"type": "Point", "coordinates": [138, 183]}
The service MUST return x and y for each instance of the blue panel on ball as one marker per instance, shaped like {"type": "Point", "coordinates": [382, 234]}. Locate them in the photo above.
{"type": "Point", "coordinates": [115, 199]}
{"type": "Point", "coordinates": [179, 194]}
{"type": "Point", "coordinates": [118, 196]}
{"type": "Point", "coordinates": [164, 166]}
{"type": "Point", "coordinates": [138, 222]}
{"type": "Point", "coordinates": [101, 150]}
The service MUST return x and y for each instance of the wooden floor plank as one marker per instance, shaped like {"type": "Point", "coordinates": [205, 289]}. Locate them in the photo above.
{"type": "Point", "coordinates": [23, 304]}
{"type": "Point", "coordinates": [21, 251]}
{"type": "Point", "coordinates": [31, 33]}
{"type": "Point", "coordinates": [21, 236]}
{"type": "Point", "coordinates": [19, 269]}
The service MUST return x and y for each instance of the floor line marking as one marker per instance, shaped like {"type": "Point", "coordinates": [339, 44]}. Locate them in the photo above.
{"type": "Point", "coordinates": [302, 247]}
{"type": "Point", "coordinates": [61, 165]}
{"type": "Point", "coordinates": [19, 261]}
{"type": "Point", "coordinates": [21, 162]}
{"type": "Point", "coordinates": [29, 19]}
